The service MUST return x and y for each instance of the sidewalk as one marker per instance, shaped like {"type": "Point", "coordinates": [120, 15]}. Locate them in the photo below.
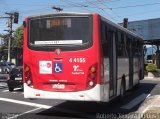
{"type": "Point", "coordinates": [150, 108]}
{"type": "Point", "coordinates": [151, 78]}
{"type": "Point", "coordinates": [151, 75]}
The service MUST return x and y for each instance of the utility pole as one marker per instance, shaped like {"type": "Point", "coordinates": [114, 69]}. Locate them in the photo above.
{"type": "Point", "coordinates": [13, 17]}
{"type": "Point", "coordinates": [10, 22]}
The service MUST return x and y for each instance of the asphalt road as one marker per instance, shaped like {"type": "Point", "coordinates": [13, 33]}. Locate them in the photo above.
{"type": "Point", "coordinates": [14, 106]}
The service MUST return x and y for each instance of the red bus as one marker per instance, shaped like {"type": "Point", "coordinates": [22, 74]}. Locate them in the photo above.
{"type": "Point", "coordinates": [79, 56]}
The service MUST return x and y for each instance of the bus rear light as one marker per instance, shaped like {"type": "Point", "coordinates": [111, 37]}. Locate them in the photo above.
{"type": "Point", "coordinates": [29, 82]}
{"type": "Point", "coordinates": [92, 76]}
{"type": "Point", "coordinates": [93, 69]}
{"type": "Point", "coordinates": [91, 83]}
{"type": "Point", "coordinates": [28, 75]}
{"type": "Point", "coordinates": [26, 69]}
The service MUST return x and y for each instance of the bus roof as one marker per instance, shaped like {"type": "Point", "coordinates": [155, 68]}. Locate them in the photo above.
{"type": "Point", "coordinates": [60, 13]}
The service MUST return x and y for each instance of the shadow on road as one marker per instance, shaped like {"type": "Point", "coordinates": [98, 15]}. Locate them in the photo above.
{"type": "Point", "coordinates": [92, 109]}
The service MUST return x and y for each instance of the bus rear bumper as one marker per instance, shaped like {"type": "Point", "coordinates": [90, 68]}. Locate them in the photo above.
{"type": "Point", "coordinates": [94, 94]}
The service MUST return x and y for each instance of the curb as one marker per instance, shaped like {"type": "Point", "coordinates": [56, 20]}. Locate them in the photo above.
{"type": "Point", "coordinates": [152, 78]}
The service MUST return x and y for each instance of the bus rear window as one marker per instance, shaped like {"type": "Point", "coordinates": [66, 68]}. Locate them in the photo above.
{"type": "Point", "coordinates": [60, 31]}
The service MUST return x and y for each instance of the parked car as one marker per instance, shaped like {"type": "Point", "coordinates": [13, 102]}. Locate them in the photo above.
{"type": "Point", "coordinates": [15, 78]}
{"type": "Point", "coordinates": [5, 67]}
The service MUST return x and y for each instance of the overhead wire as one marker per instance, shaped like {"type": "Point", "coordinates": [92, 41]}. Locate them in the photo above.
{"type": "Point", "coordinates": [142, 13]}
{"type": "Point", "coordinates": [98, 7]}
{"type": "Point", "coordinates": [89, 5]}
{"type": "Point", "coordinates": [140, 5]}
{"type": "Point", "coordinates": [86, 5]}
{"type": "Point", "coordinates": [100, 1]}
{"type": "Point", "coordinates": [81, 6]}
{"type": "Point", "coordinates": [117, 15]}
{"type": "Point", "coordinates": [91, 2]}
{"type": "Point", "coordinates": [106, 7]}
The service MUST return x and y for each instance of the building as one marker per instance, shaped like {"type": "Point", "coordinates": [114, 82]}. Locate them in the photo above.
{"type": "Point", "coordinates": [149, 30]}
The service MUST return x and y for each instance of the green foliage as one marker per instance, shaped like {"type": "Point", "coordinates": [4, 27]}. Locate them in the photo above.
{"type": "Point", "coordinates": [16, 45]}
{"type": "Point", "coordinates": [17, 42]}
{"type": "Point", "coordinates": [4, 40]}
{"type": "Point", "coordinates": [151, 67]}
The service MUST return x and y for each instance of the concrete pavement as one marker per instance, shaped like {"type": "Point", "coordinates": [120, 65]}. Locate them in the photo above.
{"type": "Point", "coordinates": [150, 109]}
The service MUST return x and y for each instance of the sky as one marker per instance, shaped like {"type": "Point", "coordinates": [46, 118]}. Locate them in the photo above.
{"type": "Point", "coordinates": [114, 10]}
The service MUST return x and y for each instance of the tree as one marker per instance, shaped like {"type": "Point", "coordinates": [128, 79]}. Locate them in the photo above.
{"type": "Point", "coordinates": [17, 45]}
{"type": "Point", "coordinates": [3, 46]}
{"type": "Point", "coordinates": [17, 41]}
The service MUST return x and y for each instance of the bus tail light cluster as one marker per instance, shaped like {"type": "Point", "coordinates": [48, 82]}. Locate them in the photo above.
{"type": "Point", "coordinates": [28, 76]}
{"type": "Point", "coordinates": [92, 74]}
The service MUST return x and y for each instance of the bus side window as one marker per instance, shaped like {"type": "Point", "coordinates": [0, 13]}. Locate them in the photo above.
{"type": "Point", "coordinates": [119, 45]}
{"type": "Point", "coordinates": [104, 40]}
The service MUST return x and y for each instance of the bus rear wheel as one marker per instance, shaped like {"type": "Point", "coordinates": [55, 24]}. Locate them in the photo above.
{"type": "Point", "coordinates": [122, 90]}
{"type": "Point", "coordinates": [10, 89]}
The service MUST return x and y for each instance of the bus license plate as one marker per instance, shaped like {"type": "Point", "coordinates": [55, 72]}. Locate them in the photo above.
{"type": "Point", "coordinates": [58, 86]}
{"type": "Point", "coordinates": [18, 79]}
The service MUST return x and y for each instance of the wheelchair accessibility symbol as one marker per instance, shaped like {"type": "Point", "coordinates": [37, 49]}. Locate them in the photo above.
{"type": "Point", "coordinates": [58, 68]}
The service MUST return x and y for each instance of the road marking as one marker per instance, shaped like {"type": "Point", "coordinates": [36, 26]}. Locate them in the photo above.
{"type": "Point", "coordinates": [135, 101]}
{"type": "Point", "coordinates": [148, 96]}
{"type": "Point", "coordinates": [45, 107]}
{"type": "Point", "coordinates": [3, 80]}
{"type": "Point", "coordinates": [26, 103]}
{"type": "Point", "coordinates": [16, 116]}
{"type": "Point", "coordinates": [16, 89]}
{"type": "Point", "coordinates": [5, 91]}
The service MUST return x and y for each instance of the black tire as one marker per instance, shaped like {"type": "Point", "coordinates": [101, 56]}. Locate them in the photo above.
{"type": "Point", "coordinates": [10, 88]}
{"type": "Point", "coordinates": [140, 74]}
{"type": "Point", "coordinates": [122, 90]}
